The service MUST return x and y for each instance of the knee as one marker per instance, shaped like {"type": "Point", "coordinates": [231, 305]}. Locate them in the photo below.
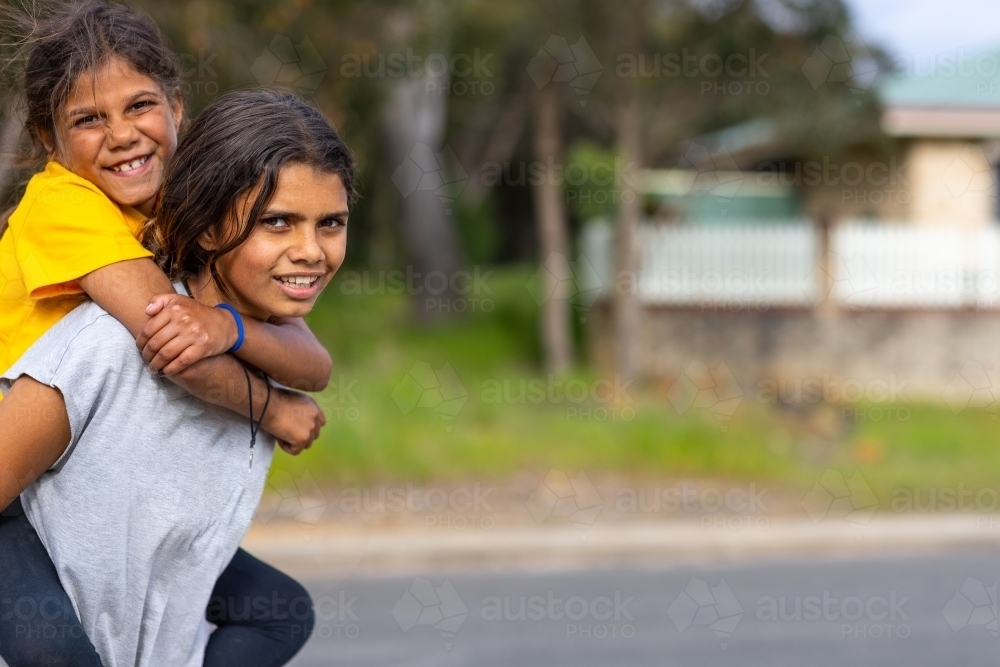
{"type": "Point", "coordinates": [302, 613]}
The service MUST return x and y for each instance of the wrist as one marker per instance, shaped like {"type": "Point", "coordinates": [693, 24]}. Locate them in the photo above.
{"type": "Point", "coordinates": [269, 420]}
{"type": "Point", "coordinates": [235, 327]}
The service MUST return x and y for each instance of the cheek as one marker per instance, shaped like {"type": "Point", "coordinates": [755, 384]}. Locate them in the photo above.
{"type": "Point", "coordinates": [252, 263]}
{"type": "Point", "coordinates": [80, 148]}
{"type": "Point", "coordinates": [335, 250]}
{"type": "Point", "coordinates": [160, 128]}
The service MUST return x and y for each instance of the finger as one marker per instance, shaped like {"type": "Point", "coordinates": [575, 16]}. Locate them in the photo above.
{"type": "Point", "coordinates": [157, 303]}
{"type": "Point", "coordinates": [184, 360]}
{"type": "Point", "coordinates": [175, 356]}
{"type": "Point", "coordinates": [154, 353]}
{"type": "Point", "coordinates": [154, 326]}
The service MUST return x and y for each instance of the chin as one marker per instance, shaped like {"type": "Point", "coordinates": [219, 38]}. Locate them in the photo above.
{"type": "Point", "coordinates": [132, 200]}
{"type": "Point", "coordinates": [285, 308]}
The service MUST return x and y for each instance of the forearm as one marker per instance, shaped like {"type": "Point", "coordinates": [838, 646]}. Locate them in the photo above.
{"type": "Point", "coordinates": [124, 289]}
{"type": "Point", "coordinates": [292, 417]}
{"type": "Point", "coordinates": [288, 352]}
{"type": "Point", "coordinates": [221, 381]}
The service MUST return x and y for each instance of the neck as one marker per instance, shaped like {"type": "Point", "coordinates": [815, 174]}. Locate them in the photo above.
{"type": "Point", "coordinates": [147, 208]}
{"type": "Point", "coordinates": [206, 292]}
{"type": "Point", "coordinates": [204, 289]}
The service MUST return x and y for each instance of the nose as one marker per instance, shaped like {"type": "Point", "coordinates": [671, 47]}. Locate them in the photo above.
{"type": "Point", "coordinates": [120, 132]}
{"type": "Point", "coordinates": [306, 248]}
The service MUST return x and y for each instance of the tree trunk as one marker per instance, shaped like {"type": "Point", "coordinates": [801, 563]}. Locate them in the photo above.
{"type": "Point", "coordinates": [556, 280]}
{"type": "Point", "coordinates": [429, 184]}
{"type": "Point", "coordinates": [10, 139]}
{"type": "Point", "coordinates": [625, 303]}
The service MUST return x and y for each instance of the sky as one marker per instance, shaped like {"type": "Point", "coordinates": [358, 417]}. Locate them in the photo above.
{"type": "Point", "coordinates": [922, 27]}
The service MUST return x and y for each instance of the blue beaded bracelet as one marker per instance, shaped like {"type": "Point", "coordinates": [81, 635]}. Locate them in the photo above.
{"type": "Point", "coordinates": [239, 326]}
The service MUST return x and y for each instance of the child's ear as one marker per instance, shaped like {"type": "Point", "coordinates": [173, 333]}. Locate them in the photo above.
{"type": "Point", "coordinates": [47, 142]}
{"type": "Point", "coordinates": [207, 241]}
{"type": "Point", "coordinates": [177, 110]}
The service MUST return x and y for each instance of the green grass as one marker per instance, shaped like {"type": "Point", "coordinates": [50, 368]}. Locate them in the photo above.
{"type": "Point", "coordinates": [369, 437]}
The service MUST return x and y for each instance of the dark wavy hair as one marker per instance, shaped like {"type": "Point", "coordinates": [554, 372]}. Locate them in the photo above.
{"type": "Point", "coordinates": [58, 41]}
{"type": "Point", "coordinates": [238, 142]}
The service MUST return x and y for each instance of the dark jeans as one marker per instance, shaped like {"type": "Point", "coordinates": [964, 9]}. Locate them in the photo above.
{"type": "Point", "coordinates": [264, 616]}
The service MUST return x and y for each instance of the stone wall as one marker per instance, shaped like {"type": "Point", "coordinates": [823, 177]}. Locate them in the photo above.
{"type": "Point", "coordinates": [885, 355]}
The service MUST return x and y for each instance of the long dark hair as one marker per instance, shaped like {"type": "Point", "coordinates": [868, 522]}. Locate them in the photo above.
{"type": "Point", "coordinates": [238, 143]}
{"type": "Point", "coordinates": [58, 41]}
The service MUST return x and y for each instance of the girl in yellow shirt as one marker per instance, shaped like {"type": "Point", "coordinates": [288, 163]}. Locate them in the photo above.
{"type": "Point", "coordinates": [103, 106]}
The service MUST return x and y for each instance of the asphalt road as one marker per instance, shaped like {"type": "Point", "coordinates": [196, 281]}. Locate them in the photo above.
{"type": "Point", "coordinates": [938, 611]}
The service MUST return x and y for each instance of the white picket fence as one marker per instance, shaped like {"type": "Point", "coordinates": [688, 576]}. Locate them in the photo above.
{"type": "Point", "coordinates": [760, 266]}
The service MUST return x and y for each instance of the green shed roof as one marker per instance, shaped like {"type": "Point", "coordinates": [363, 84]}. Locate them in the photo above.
{"type": "Point", "coordinates": [947, 80]}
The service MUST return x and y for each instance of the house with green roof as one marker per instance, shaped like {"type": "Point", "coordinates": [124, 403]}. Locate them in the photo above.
{"type": "Point", "coordinates": [947, 113]}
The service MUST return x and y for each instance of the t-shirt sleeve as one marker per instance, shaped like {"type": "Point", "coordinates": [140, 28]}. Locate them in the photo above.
{"type": "Point", "coordinates": [82, 356]}
{"type": "Point", "coordinates": [69, 231]}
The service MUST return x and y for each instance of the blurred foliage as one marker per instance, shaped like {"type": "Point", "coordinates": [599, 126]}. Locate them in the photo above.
{"type": "Point", "coordinates": [595, 181]}
{"type": "Point", "coordinates": [365, 47]}
{"type": "Point", "coordinates": [370, 437]}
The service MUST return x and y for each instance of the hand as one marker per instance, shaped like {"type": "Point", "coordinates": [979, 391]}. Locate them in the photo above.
{"type": "Point", "coordinates": [182, 332]}
{"type": "Point", "coordinates": [294, 419]}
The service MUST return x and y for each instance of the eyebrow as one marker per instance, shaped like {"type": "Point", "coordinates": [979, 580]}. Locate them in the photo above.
{"type": "Point", "coordinates": [298, 216]}
{"type": "Point", "coordinates": [92, 111]}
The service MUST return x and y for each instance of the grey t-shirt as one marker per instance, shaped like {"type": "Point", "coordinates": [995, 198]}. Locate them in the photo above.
{"type": "Point", "coordinates": [151, 499]}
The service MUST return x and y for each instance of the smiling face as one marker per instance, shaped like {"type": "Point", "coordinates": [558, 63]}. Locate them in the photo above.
{"type": "Point", "coordinates": [292, 252]}
{"type": "Point", "coordinates": [118, 129]}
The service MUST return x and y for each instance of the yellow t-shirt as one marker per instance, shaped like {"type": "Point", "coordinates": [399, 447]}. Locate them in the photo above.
{"type": "Point", "coordinates": [63, 229]}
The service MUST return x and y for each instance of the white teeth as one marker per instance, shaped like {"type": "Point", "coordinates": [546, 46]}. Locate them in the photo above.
{"type": "Point", "coordinates": [131, 166]}
{"type": "Point", "coordinates": [299, 280]}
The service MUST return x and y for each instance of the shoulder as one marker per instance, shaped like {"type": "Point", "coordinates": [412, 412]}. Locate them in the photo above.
{"type": "Point", "coordinates": [90, 322]}
{"type": "Point", "coordinates": [87, 333]}
{"type": "Point", "coordinates": [55, 192]}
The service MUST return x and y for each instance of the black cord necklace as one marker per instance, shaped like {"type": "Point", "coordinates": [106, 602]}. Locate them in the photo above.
{"type": "Point", "coordinates": [254, 430]}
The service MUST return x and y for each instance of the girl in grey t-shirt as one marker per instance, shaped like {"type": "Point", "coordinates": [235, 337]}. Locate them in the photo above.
{"type": "Point", "coordinates": [150, 500]}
